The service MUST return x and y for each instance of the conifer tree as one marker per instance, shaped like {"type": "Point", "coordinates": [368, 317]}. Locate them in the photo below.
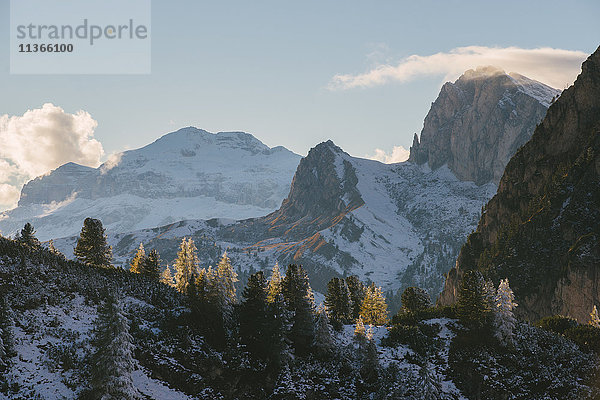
{"type": "Point", "coordinates": [359, 330]}
{"type": "Point", "coordinates": [300, 301]}
{"type": "Point", "coordinates": [338, 302]}
{"type": "Point", "coordinates": [415, 299]}
{"type": "Point", "coordinates": [113, 362]}
{"type": "Point", "coordinates": [186, 268]}
{"type": "Point", "coordinates": [431, 387]}
{"type": "Point", "coordinates": [357, 294]}
{"type": "Point", "coordinates": [226, 278]}
{"type": "Point", "coordinates": [151, 265]}
{"type": "Point", "coordinates": [323, 340]}
{"type": "Point", "coordinates": [594, 318]}
{"type": "Point", "coordinates": [374, 308]}
{"type": "Point", "coordinates": [274, 284]}
{"type": "Point", "coordinates": [28, 236]}
{"type": "Point", "coordinates": [167, 277]}
{"type": "Point", "coordinates": [505, 320]}
{"type": "Point", "coordinates": [53, 249]}
{"type": "Point", "coordinates": [279, 328]}
{"type": "Point", "coordinates": [137, 264]}
{"type": "Point", "coordinates": [370, 359]}
{"type": "Point", "coordinates": [92, 248]}
{"type": "Point", "coordinates": [254, 317]}
{"type": "Point", "coordinates": [473, 306]}
{"type": "Point", "coordinates": [6, 338]}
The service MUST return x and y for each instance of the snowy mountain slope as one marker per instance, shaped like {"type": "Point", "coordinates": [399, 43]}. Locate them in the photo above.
{"type": "Point", "coordinates": [396, 225]}
{"type": "Point", "coordinates": [187, 174]}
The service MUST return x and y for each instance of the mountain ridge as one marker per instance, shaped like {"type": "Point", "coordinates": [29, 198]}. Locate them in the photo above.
{"type": "Point", "coordinates": [474, 126]}
{"type": "Point", "coordinates": [540, 230]}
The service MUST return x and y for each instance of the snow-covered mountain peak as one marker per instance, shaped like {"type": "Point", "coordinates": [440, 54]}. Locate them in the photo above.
{"type": "Point", "coordinates": [187, 174]}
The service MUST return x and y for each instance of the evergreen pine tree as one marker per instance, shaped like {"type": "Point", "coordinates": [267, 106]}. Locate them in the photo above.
{"type": "Point", "coordinates": [151, 265]}
{"type": "Point", "coordinates": [369, 359]}
{"type": "Point", "coordinates": [254, 317]}
{"type": "Point", "coordinates": [167, 277]}
{"type": "Point", "coordinates": [357, 294]}
{"type": "Point", "coordinates": [300, 301]}
{"type": "Point", "coordinates": [415, 299]}
{"type": "Point", "coordinates": [505, 320]}
{"type": "Point", "coordinates": [28, 236]}
{"type": "Point", "coordinates": [53, 249]}
{"type": "Point", "coordinates": [431, 387]}
{"type": "Point", "coordinates": [323, 339]}
{"type": "Point", "coordinates": [186, 268]}
{"type": "Point", "coordinates": [279, 328]}
{"type": "Point", "coordinates": [92, 248]}
{"type": "Point", "coordinates": [594, 318]}
{"type": "Point", "coordinates": [338, 302]}
{"type": "Point", "coordinates": [136, 264]}
{"type": "Point", "coordinates": [274, 284]}
{"type": "Point", "coordinates": [112, 363]}
{"type": "Point", "coordinates": [226, 278]}
{"type": "Point", "coordinates": [374, 308]}
{"type": "Point", "coordinates": [473, 306]}
{"type": "Point", "coordinates": [6, 338]}
{"type": "Point", "coordinates": [359, 330]}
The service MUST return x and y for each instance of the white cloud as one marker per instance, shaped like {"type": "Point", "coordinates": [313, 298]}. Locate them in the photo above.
{"type": "Point", "coordinates": [40, 140]}
{"type": "Point", "coordinates": [9, 196]}
{"type": "Point", "coordinates": [399, 154]}
{"type": "Point", "coordinates": [555, 67]}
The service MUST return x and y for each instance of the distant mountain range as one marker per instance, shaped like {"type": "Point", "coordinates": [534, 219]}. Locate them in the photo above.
{"type": "Point", "coordinates": [397, 225]}
{"type": "Point", "coordinates": [186, 174]}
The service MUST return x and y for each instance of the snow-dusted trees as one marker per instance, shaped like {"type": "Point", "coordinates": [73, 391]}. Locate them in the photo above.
{"type": "Point", "coordinates": [6, 339]}
{"type": "Point", "coordinates": [186, 267]}
{"type": "Point", "coordinates": [474, 307]}
{"type": "Point", "coordinates": [415, 299]}
{"type": "Point", "coordinates": [357, 294]}
{"type": "Point", "coordinates": [254, 317]}
{"type": "Point", "coordinates": [300, 301]}
{"type": "Point", "coordinates": [226, 278]}
{"type": "Point", "coordinates": [338, 303]}
{"type": "Point", "coordinates": [274, 284]}
{"type": "Point", "coordinates": [112, 364]}
{"type": "Point", "coordinates": [263, 324]}
{"type": "Point", "coordinates": [166, 277]}
{"type": "Point", "coordinates": [323, 342]}
{"type": "Point", "coordinates": [152, 264]}
{"type": "Point", "coordinates": [136, 264]}
{"type": "Point", "coordinates": [92, 248]}
{"type": "Point", "coordinates": [147, 265]}
{"type": "Point", "coordinates": [27, 236]}
{"type": "Point", "coordinates": [374, 309]}
{"type": "Point", "coordinates": [431, 387]}
{"type": "Point", "coordinates": [594, 318]}
{"type": "Point", "coordinates": [504, 319]}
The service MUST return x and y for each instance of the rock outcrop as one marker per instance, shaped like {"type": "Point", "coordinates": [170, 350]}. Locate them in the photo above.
{"type": "Point", "coordinates": [478, 122]}
{"type": "Point", "coordinates": [542, 228]}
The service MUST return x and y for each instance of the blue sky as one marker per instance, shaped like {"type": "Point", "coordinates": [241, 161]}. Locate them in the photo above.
{"type": "Point", "coordinates": [266, 67]}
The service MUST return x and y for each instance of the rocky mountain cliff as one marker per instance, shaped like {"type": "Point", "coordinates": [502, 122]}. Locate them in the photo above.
{"type": "Point", "coordinates": [478, 122]}
{"type": "Point", "coordinates": [185, 174]}
{"type": "Point", "coordinates": [396, 225]}
{"type": "Point", "coordinates": [542, 229]}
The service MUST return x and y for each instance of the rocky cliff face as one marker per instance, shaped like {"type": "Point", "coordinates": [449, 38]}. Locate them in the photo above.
{"type": "Point", "coordinates": [542, 228]}
{"type": "Point", "coordinates": [397, 225]}
{"type": "Point", "coordinates": [478, 122]}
